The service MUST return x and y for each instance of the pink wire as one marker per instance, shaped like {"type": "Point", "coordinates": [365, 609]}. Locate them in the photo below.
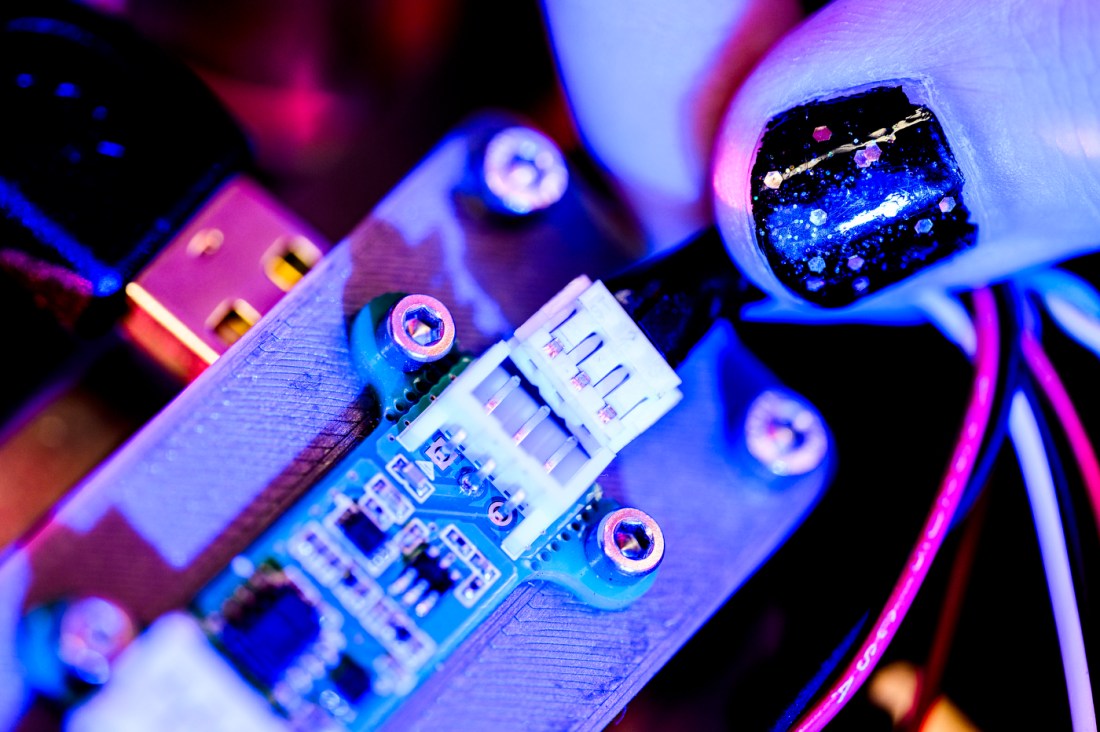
{"type": "Point", "coordinates": [935, 527]}
{"type": "Point", "coordinates": [1055, 391]}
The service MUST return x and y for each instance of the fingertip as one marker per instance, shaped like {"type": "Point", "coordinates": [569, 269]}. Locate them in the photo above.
{"type": "Point", "coordinates": [648, 82]}
{"type": "Point", "coordinates": [998, 89]}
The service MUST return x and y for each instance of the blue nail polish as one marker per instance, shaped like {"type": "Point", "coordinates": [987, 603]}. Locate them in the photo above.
{"type": "Point", "coordinates": [853, 194]}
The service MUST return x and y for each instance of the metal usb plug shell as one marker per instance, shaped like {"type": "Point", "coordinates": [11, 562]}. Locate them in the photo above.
{"type": "Point", "coordinates": [227, 267]}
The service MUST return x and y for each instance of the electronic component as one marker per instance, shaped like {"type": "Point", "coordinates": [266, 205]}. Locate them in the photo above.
{"type": "Point", "coordinates": [267, 625]}
{"type": "Point", "coordinates": [432, 571]}
{"type": "Point", "coordinates": [484, 483]}
{"type": "Point", "coordinates": [415, 477]}
{"type": "Point", "coordinates": [351, 680]}
{"type": "Point", "coordinates": [393, 503]}
{"type": "Point", "coordinates": [544, 413]}
{"type": "Point", "coordinates": [363, 533]}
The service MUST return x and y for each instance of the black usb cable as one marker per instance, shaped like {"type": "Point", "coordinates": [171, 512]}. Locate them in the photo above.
{"type": "Point", "coordinates": [676, 296]}
{"type": "Point", "coordinates": [123, 192]}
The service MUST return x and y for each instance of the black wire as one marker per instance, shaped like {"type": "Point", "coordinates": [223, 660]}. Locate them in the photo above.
{"type": "Point", "coordinates": [1010, 314]}
{"type": "Point", "coordinates": [825, 672]}
{"type": "Point", "coordinates": [676, 296]}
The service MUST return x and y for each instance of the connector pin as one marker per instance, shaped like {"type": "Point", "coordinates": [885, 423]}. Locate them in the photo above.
{"type": "Point", "coordinates": [536, 419]}
{"type": "Point", "coordinates": [553, 461]}
{"type": "Point", "coordinates": [553, 348]}
{"type": "Point", "coordinates": [580, 381]}
{"type": "Point", "coordinates": [501, 394]}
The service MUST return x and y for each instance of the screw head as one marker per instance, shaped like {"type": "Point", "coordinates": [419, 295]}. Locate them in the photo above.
{"type": "Point", "coordinates": [785, 434]}
{"type": "Point", "coordinates": [421, 331]}
{"type": "Point", "coordinates": [424, 326]}
{"type": "Point", "coordinates": [523, 171]}
{"type": "Point", "coordinates": [631, 541]}
{"type": "Point", "coordinates": [93, 631]}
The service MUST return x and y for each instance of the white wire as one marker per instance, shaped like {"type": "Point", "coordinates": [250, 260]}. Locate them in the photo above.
{"type": "Point", "coordinates": [1076, 324]}
{"type": "Point", "coordinates": [949, 316]}
{"type": "Point", "coordinates": [1073, 304]}
{"type": "Point", "coordinates": [1052, 545]}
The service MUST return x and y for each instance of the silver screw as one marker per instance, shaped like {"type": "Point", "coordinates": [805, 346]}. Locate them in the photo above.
{"type": "Point", "coordinates": [424, 326]}
{"type": "Point", "coordinates": [631, 541]}
{"type": "Point", "coordinates": [93, 631]}
{"type": "Point", "coordinates": [420, 330]}
{"type": "Point", "coordinates": [523, 171]}
{"type": "Point", "coordinates": [785, 434]}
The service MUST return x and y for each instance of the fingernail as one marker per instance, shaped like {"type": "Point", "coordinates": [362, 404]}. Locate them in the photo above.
{"type": "Point", "coordinates": [853, 194]}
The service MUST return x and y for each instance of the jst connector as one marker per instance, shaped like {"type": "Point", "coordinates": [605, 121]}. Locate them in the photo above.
{"type": "Point", "coordinates": [545, 412]}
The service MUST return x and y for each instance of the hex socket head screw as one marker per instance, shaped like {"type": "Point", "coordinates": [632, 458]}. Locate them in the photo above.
{"type": "Point", "coordinates": [785, 434]}
{"type": "Point", "coordinates": [523, 172]}
{"type": "Point", "coordinates": [68, 648]}
{"type": "Point", "coordinates": [418, 330]}
{"type": "Point", "coordinates": [628, 542]}
{"type": "Point", "coordinates": [93, 631]}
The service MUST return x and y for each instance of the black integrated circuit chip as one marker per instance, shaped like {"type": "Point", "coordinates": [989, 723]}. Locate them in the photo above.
{"type": "Point", "coordinates": [361, 531]}
{"type": "Point", "coordinates": [269, 626]}
{"type": "Point", "coordinates": [351, 680]}
{"type": "Point", "coordinates": [429, 569]}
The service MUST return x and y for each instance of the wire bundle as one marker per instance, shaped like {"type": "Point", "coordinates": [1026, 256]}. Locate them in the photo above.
{"type": "Point", "coordinates": [1001, 333]}
{"type": "Point", "coordinates": [1010, 365]}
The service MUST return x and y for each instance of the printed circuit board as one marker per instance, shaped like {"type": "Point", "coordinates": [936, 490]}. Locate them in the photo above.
{"type": "Point", "coordinates": [479, 477]}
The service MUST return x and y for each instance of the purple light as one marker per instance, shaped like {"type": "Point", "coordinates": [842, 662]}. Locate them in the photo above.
{"type": "Point", "coordinates": [110, 149]}
{"type": "Point", "coordinates": [67, 90]}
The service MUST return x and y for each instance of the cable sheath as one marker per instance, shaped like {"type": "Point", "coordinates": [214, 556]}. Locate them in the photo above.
{"type": "Point", "coordinates": [955, 480]}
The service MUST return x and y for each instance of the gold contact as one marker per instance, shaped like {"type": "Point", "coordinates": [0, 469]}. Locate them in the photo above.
{"type": "Point", "coordinates": [289, 259]}
{"type": "Point", "coordinates": [232, 320]}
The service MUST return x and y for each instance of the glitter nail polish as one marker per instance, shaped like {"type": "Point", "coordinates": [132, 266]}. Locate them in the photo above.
{"type": "Point", "coordinates": [853, 194]}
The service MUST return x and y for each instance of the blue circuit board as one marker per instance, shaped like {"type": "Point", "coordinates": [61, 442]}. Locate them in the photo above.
{"type": "Point", "coordinates": [347, 602]}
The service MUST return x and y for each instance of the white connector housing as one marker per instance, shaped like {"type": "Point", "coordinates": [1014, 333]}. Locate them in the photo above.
{"type": "Point", "coordinates": [594, 382]}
